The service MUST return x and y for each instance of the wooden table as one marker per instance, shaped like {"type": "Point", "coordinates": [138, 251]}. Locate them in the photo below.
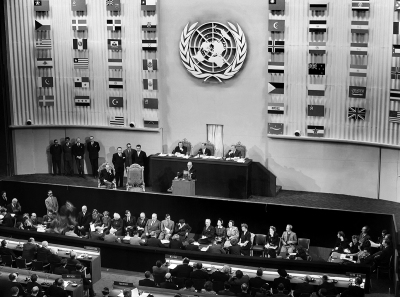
{"type": "Point", "coordinates": [184, 187]}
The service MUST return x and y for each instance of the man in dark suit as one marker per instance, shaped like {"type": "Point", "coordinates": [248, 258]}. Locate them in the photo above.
{"type": "Point", "coordinates": [14, 207]}
{"type": "Point", "coordinates": [354, 290]}
{"type": "Point", "coordinates": [152, 225]}
{"type": "Point", "coordinates": [215, 248]}
{"type": "Point", "coordinates": [328, 286]}
{"type": "Point", "coordinates": [191, 246]}
{"type": "Point", "coordinates": [147, 282]}
{"type": "Point", "coordinates": [168, 284]}
{"type": "Point", "coordinates": [180, 149]}
{"type": "Point", "coordinates": [208, 234]}
{"type": "Point", "coordinates": [29, 250]}
{"type": "Point", "coordinates": [53, 258]}
{"type": "Point", "coordinates": [72, 260]}
{"type": "Point", "coordinates": [56, 151]}
{"type": "Point", "coordinates": [281, 288]}
{"type": "Point", "coordinates": [78, 150]}
{"type": "Point", "coordinates": [129, 223]}
{"type": "Point", "coordinates": [33, 283]}
{"type": "Point", "coordinates": [304, 287]}
{"type": "Point", "coordinates": [67, 151]}
{"type": "Point", "coordinates": [57, 289]}
{"type": "Point", "coordinates": [226, 291]}
{"type": "Point", "coordinates": [258, 281]}
{"type": "Point", "coordinates": [93, 149]}
{"type": "Point", "coordinates": [233, 153]}
{"type": "Point", "coordinates": [154, 241]}
{"type": "Point", "coordinates": [83, 220]}
{"type": "Point", "coordinates": [191, 174]}
{"type": "Point", "coordinates": [129, 155]}
{"type": "Point", "coordinates": [5, 251]}
{"type": "Point", "coordinates": [60, 270]}
{"type": "Point", "coordinates": [204, 150]}
{"type": "Point", "coordinates": [182, 270]}
{"type": "Point", "coordinates": [141, 223]}
{"type": "Point", "coordinates": [282, 280]}
{"type": "Point", "coordinates": [118, 160]}
{"type": "Point", "coordinates": [14, 283]}
{"type": "Point", "coordinates": [140, 156]}
{"type": "Point", "coordinates": [43, 252]}
{"type": "Point", "coordinates": [182, 229]}
{"type": "Point", "coordinates": [107, 176]}
{"type": "Point", "coordinates": [199, 273]}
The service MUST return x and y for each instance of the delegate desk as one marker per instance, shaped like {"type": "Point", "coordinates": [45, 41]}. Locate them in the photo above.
{"type": "Point", "coordinates": [218, 178]}
{"type": "Point", "coordinates": [92, 260]}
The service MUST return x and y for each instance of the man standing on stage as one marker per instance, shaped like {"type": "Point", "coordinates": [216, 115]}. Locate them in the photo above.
{"type": "Point", "coordinates": [93, 148]}
{"type": "Point", "coordinates": [78, 150]}
{"type": "Point", "coordinates": [129, 155]}
{"type": "Point", "coordinates": [118, 160]}
{"type": "Point", "coordinates": [139, 156]}
{"type": "Point", "coordinates": [67, 150]}
{"type": "Point", "coordinates": [51, 203]}
{"type": "Point", "coordinates": [56, 151]}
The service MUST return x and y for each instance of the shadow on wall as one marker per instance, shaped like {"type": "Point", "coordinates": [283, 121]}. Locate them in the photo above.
{"type": "Point", "coordinates": [257, 155]}
{"type": "Point", "coordinates": [49, 162]}
{"type": "Point", "coordinates": [111, 151]}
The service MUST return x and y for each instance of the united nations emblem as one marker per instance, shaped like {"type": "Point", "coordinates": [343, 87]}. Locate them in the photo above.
{"type": "Point", "coordinates": [213, 50]}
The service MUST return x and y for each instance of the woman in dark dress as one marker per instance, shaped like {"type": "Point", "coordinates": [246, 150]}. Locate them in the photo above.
{"type": "Point", "coordinates": [272, 243]}
{"type": "Point", "coordinates": [245, 240]}
{"type": "Point", "coordinates": [341, 243]}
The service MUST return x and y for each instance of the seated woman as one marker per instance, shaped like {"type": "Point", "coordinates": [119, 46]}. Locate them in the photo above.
{"type": "Point", "coordinates": [96, 223]}
{"type": "Point", "coordinates": [245, 240]}
{"type": "Point", "coordinates": [231, 233]}
{"type": "Point", "coordinates": [272, 243]}
{"type": "Point", "coordinates": [341, 243]}
{"type": "Point", "coordinates": [106, 220]}
{"type": "Point", "coordinates": [220, 232]}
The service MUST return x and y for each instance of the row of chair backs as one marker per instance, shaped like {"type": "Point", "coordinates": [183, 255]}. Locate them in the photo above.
{"type": "Point", "coordinates": [193, 149]}
{"type": "Point", "coordinates": [260, 240]}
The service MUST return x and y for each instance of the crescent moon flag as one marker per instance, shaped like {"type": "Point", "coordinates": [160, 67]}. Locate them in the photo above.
{"type": "Point", "coordinates": [116, 102]}
{"type": "Point", "coordinates": [276, 25]}
{"type": "Point", "coordinates": [45, 82]}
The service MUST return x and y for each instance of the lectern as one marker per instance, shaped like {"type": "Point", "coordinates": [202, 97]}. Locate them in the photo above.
{"type": "Point", "coordinates": [183, 187]}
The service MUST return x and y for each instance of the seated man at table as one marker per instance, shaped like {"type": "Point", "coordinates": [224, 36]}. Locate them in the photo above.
{"type": "Point", "coordinates": [215, 248]}
{"type": "Point", "coordinates": [135, 239]}
{"type": "Point", "coordinates": [129, 223]}
{"type": "Point", "coordinates": [6, 219]}
{"type": "Point", "coordinates": [239, 278]}
{"type": "Point", "coordinates": [182, 270]}
{"type": "Point", "coordinates": [222, 275]}
{"type": "Point", "coordinates": [354, 290]}
{"type": "Point", "coordinates": [107, 177]}
{"type": "Point", "coordinates": [70, 231]}
{"type": "Point", "coordinates": [182, 229]}
{"type": "Point", "coordinates": [208, 234]}
{"type": "Point", "coordinates": [62, 269]}
{"type": "Point", "coordinates": [159, 270]}
{"type": "Point", "coordinates": [180, 149]}
{"type": "Point", "coordinates": [54, 258]}
{"type": "Point", "coordinates": [189, 173]}
{"type": "Point", "coordinates": [154, 241]}
{"type": "Point", "coordinates": [227, 290]}
{"type": "Point", "coordinates": [33, 283]}
{"type": "Point", "coordinates": [167, 228]}
{"type": "Point", "coordinates": [204, 150]}
{"type": "Point", "coordinates": [198, 272]}
{"type": "Point", "coordinates": [191, 246]}
{"type": "Point", "coordinates": [111, 237]}
{"type": "Point", "coordinates": [258, 281]}
{"type": "Point", "coordinates": [305, 287]}
{"type": "Point", "coordinates": [289, 241]}
{"type": "Point", "coordinates": [233, 153]}
{"type": "Point", "coordinates": [168, 284]}
{"type": "Point", "coordinates": [29, 250]}
{"type": "Point", "coordinates": [280, 291]}
{"type": "Point", "coordinates": [14, 207]}
{"type": "Point", "coordinates": [328, 286]}
{"type": "Point", "coordinates": [152, 225]}
{"type": "Point", "coordinates": [175, 243]}
{"type": "Point", "coordinates": [141, 223]}
{"type": "Point", "coordinates": [147, 282]}
{"type": "Point", "coordinates": [72, 260]}
{"type": "Point", "coordinates": [57, 290]}
{"type": "Point", "coordinates": [43, 252]}
{"type": "Point", "coordinates": [5, 251]}
{"type": "Point", "coordinates": [235, 249]}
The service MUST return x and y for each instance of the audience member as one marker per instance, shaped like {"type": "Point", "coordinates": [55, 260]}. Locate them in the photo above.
{"type": "Point", "coordinates": [29, 250]}
{"type": "Point", "coordinates": [35, 291]}
{"type": "Point", "coordinates": [215, 248]}
{"type": "Point", "coordinates": [56, 152]}
{"type": "Point", "coordinates": [62, 269]}
{"type": "Point", "coordinates": [70, 231]}
{"type": "Point", "coordinates": [67, 152]}
{"type": "Point", "coordinates": [72, 260]}
{"type": "Point", "coordinates": [51, 202]}
{"type": "Point", "coordinates": [234, 248]}
{"type": "Point", "coordinates": [208, 288]}
{"type": "Point", "coordinates": [182, 229]}
{"type": "Point", "coordinates": [30, 223]}
{"type": "Point", "coordinates": [328, 286]}
{"type": "Point", "coordinates": [231, 233]}
{"type": "Point", "coordinates": [245, 240]}
{"type": "Point", "coordinates": [227, 290]}
{"type": "Point", "coordinates": [135, 240]}
{"type": "Point", "coordinates": [154, 241]}
{"type": "Point", "coordinates": [147, 282]}
{"type": "Point", "coordinates": [341, 243]}
{"type": "Point", "coordinates": [78, 150]}
{"type": "Point", "coordinates": [14, 283]}
{"type": "Point", "coordinates": [222, 275]}
{"type": "Point", "coordinates": [282, 279]}
{"type": "Point", "coordinates": [160, 269]}
{"type": "Point", "coordinates": [87, 284]}
{"type": "Point", "coordinates": [167, 228]}
{"type": "Point", "coordinates": [182, 270]}
{"type": "Point", "coordinates": [378, 244]}
{"type": "Point", "coordinates": [53, 258]}
{"type": "Point", "coordinates": [43, 252]}
{"type": "Point", "coordinates": [93, 149]}
{"type": "Point", "coordinates": [152, 225]}
{"type": "Point", "coordinates": [289, 241]}
{"type": "Point", "coordinates": [272, 242]}
{"type": "Point", "coordinates": [14, 292]}
{"type": "Point", "coordinates": [141, 223]}
{"type": "Point", "coordinates": [175, 243]}
{"type": "Point", "coordinates": [117, 225]}
{"type": "Point", "coordinates": [198, 272]}
{"type": "Point", "coordinates": [354, 290]}
{"type": "Point", "coordinates": [244, 288]}
{"type": "Point", "coordinates": [381, 258]}
{"type": "Point", "coordinates": [57, 289]}
{"type": "Point", "coordinates": [305, 287]}
{"type": "Point", "coordinates": [239, 278]}
{"type": "Point", "coordinates": [262, 292]}
{"type": "Point", "coordinates": [6, 219]}
{"type": "Point", "coordinates": [168, 284]}
{"type": "Point", "coordinates": [192, 246]}
{"type": "Point", "coordinates": [280, 288]}
{"type": "Point", "coordinates": [208, 234]}
{"type": "Point", "coordinates": [5, 251]}
{"type": "Point", "coordinates": [129, 223]}
{"type": "Point", "coordinates": [258, 281]}
{"type": "Point", "coordinates": [220, 232]}
{"type": "Point", "coordinates": [111, 237]}
{"type": "Point", "coordinates": [188, 286]}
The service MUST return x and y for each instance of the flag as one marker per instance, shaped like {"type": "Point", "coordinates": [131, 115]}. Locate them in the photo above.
{"type": "Point", "coordinates": [150, 84]}
{"type": "Point", "coordinates": [395, 94]}
{"type": "Point", "coordinates": [46, 101]}
{"type": "Point", "coordinates": [315, 131]}
{"type": "Point", "coordinates": [149, 23]}
{"type": "Point", "coordinates": [150, 64]}
{"type": "Point", "coordinates": [316, 90]}
{"type": "Point", "coordinates": [276, 88]}
{"type": "Point", "coordinates": [356, 113]}
{"type": "Point", "coordinates": [113, 5]}
{"type": "Point", "coordinates": [114, 25]}
{"type": "Point", "coordinates": [276, 4]}
{"type": "Point", "coordinates": [318, 4]}
{"type": "Point", "coordinates": [78, 5]}
{"type": "Point", "coordinates": [43, 25]}
{"type": "Point", "coordinates": [395, 27]}
{"type": "Point", "coordinates": [44, 62]}
{"type": "Point", "coordinates": [359, 49]}
{"type": "Point", "coordinates": [79, 25]}
{"type": "Point", "coordinates": [45, 82]}
{"type": "Point", "coordinates": [41, 5]}
{"type": "Point", "coordinates": [82, 101]}
{"type": "Point", "coordinates": [116, 102]}
{"type": "Point", "coordinates": [117, 121]}
{"type": "Point", "coordinates": [358, 70]}
{"type": "Point", "coordinates": [357, 92]}
{"type": "Point", "coordinates": [150, 103]}
{"type": "Point", "coordinates": [317, 26]}
{"type": "Point", "coordinates": [114, 64]}
{"type": "Point", "coordinates": [276, 108]}
{"type": "Point", "coordinates": [395, 74]}
{"type": "Point", "coordinates": [275, 128]}
{"type": "Point", "coordinates": [316, 110]}
{"type": "Point", "coordinates": [115, 83]}
{"type": "Point", "coordinates": [80, 44]}
{"type": "Point", "coordinates": [317, 48]}
{"type": "Point", "coordinates": [396, 50]}
{"type": "Point", "coordinates": [316, 69]}
{"type": "Point", "coordinates": [81, 82]}
{"type": "Point", "coordinates": [360, 5]}
{"type": "Point", "coordinates": [276, 46]}
{"type": "Point", "coordinates": [114, 44]}
{"type": "Point", "coordinates": [43, 44]}
{"type": "Point", "coordinates": [150, 124]}
{"type": "Point", "coordinates": [148, 5]}
{"type": "Point", "coordinates": [394, 116]}
{"type": "Point", "coordinates": [276, 25]}
{"type": "Point", "coordinates": [396, 5]}
{"type": "Point", "coordinates": [360, 27]}
{"type": "Point", "coordinates": [149, 45]}
{"type": "Point", "coordinates": [81, 63]}
{"type": "Point", "coordinates": [276, 67]}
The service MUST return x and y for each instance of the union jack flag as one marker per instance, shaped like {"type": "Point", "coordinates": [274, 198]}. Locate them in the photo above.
{"type": "Point", "coordinates": [357, 113]}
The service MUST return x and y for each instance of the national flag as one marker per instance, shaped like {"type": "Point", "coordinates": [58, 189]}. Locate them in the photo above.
{"type": "Point", "coordinates": [359, 49]}
{"type": "Point", "coordinates": [276, 108]}
{"type": "Point", "coordinates": [316, 90]}
{"type": "Point", "coordinates": [117, 121]}
{"type": "Point", "coordinates": [150, 103]}
{"type": "Point", "coordinates": [356, 113]}
{"type": "Point", "coordinates": [318, 4]}
{"type": "Point", "coordinates": [149, 45]}
{"type": "Point", "coordinates": [276, 25]}
{"type": "Point", "coordinates": [317, 26]}
{"type": "Point", "coordinates": [115, 83]}
{"type": "Point", "coordinates": [149, 5]}
{"type": "Point", "coordinates": [395, 27]}
{"type": "Point", "coordinates": [394, 116]}
{"type": "Point", "coordinates": [80, 44]}
{"type": "Point", "coordinates": [150, 84]}
{"type": "Point", "coordinates": [150, 124]}
{"type": "Point", "coordinates": [395, 94]}
{"type": "Point", "coordinates": [275, 128]}
{"type": "Point", "coordinates": [358, 70]}
{"type": "Point", "coordinates": [45, 101]}
{"type": "Point", "coordinates": [276, 67]}
{"type": "Point", "coordinates": [276, 88]}
{"type": "Point", "coordinates": [81, 82]}
{"type": "Point", "coordinates": [82, 101]}
{"type": "Point", "coordinates": [43, 44]}
{"type": "Point", "coordinates": [78, 5]}
{"type": "Point", "coordinates": [276, 46]}
{"type": "Point", "coordinates": [43, 25]}
{"type": "Point", "coordinates": [317, 48]}
{"type": "Point", "coordinates": [396, 5]}
{"type": "Point", "coordinates": [149, 23]}
{"type": "Point", "coordinates": [79, 25]}
{"type": "Point", "coordinates": [316, 110]}
{"type": "Point", "coordinates": [396, 50]}
{"type": "Point", "coordinates": [41, 5]}
{"type": "Point", "coordinates": [44, 62]}
{"type": "Point", "coordinates": [114, 64]}
{"type": "Point", "coordinates": [276, 4]}
{"type": "Point", "coordinates": [116, 102]}
{"type": "Point", "coordinates": [45, 82]}
{"type": "Point", "coordinates": [150, 64]}
{"type": "Point", "coordinates": [360, 5]}
{"type": "Point", "coordinates": [360, 27]}
{"type": "Point", "coordinates": [357, 92]}
{"type": "Point", "coordinates": [114, 44]}
{"type": "Point", "coordinates": [81, 63]}
{"type": "Point", "coordinates": [113, 5]}
{"type": "Point", "coordinates": [114, 25]}
{"type": "Point", "coordinates": [315, 131]}
{"type": "Point", "coordinates": [316, 69]}
{"type": "Point", "coordinates": [395, 74]}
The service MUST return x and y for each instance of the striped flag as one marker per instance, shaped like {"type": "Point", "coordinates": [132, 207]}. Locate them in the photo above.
{"type": "Point", "coordinates": [45, 101]}
{"type": "Point", "coordinates": [150, 103]}
{"type": "Point", "coordinates": [148, 5]}
{"type": "Point", "coordinates": [318, 4]}
{"type": "Point", "coordinates": [44, 62]}
{"type": "Point", "coordinates": [150, 123]}
{"type": "Point", "coordinates": [358, 70]}
{"type": "Point", "coordinates": [150, 64]}
{"type": "Point", "coordinates": [115, 83]}
{"type": "Point", "coordinates": [276, 67]}
{"type": "Point", "coordinates": [316, 90]}
{"type": "Point", "coordinates": [81, 82]}
{"type": "Point", "coordinates": [79, 25]}
{"type": "Point", "coordinates": [276, 88]}
{"type": "Point", "coordinates": [360, 5]}
{"type": "Point", "coordinates": [114, 25]}
{"type": "Point", "coordinates": [396, 50]}
{"type": "Point", "coordinates": [395, 94]}
{"type": "Point", "coordinates": [82, 101]}
{"type": "Point", "coordinates": [43, 25]}
{"type": "Point", "coordinates": [356, 113]}
{"type": "Point", "coordinates": [81, 63]}
{"type": "Point", "coordinates": [395, 27]}
{"type": "Point", "coordinates": [276, 108]}
{"type": "Point", "coordinates": [114, 44]}
{"type": "Point", "coordinates": [150, 84]}
{"type": "Point", "coordinates": [79, 44]}
{"type": "Point", "coordinates": [317, 26]}
{"type": "Point", "coordinates": [43, 44]}
{"type": "Point", "coordinates": [359, 49]}
{"type": "Point", "coordinates": [276, 46]}
{"type": "Point", "coordinates": [149, 23]}
{"type": "Point", "coordinates": [315, 131]}
{"type": "Point", "coordinates": [394, 116]}
{"type": "Point", "coordinates": [115, 64]}
{"type": "Point", "coordinates": [395, 73]}
{"type": "Point", "coordinates": [149, 45]}
{"type": "Point", "coordinates": [117, 121]}
{"type": "Point", "coordinates": [359, 27]}
{"type": "Point", "coordinates": [317, 48]}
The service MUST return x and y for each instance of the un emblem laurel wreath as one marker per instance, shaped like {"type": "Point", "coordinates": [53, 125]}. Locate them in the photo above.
{"type": "Point", "coordinates": [191, 66]}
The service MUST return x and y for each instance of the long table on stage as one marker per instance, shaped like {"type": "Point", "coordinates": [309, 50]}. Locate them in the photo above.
{"type": "Point", "coordinates": [219, 178]}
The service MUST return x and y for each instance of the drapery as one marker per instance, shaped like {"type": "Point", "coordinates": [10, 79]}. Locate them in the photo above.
{"type": "Point", "coordinates": [215, 136]}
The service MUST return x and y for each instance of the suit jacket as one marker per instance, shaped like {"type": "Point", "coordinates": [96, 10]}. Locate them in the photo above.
{"type": "Point", "coordinates": [30, 285]}
{"type": "Point", "coordinates": [54, 259]}
{"type": "Point", "coordinates": [216, 249]}
{"type": "Point", "coordinates": [130, 223]}
{"type": "Point", "coordinates": [67, 150]}
{"type": "Point", "coordinates": [231, 154]}
{"type": "Point", "coordinates": [154, 242]}
{"type": "Point", "coordinates": [182, 150]}
{"type": "Point", "coordinates": [129, 157]}
{"type": "Point", "coordinates": [289, 237]}
{"type": "Point", "coordinates": [284, 281]}
{"type": "Point", "coordinates": [105, 175]}
{"type": "Point", "coordinates": [182, 231]}
{"type": "Point", "coordinates": [118, 225]}
{"type": "Point", "coordinates": [192, 173]}
{"type": "Point", "coordinates": [207, 152]}
{"type": "Point", "coordinates": [219, 276]}
{"type": "Point", "coordinates": [208, 232]}
{"type": "Point", "coordinates": [192, 247]}
{"type": "Point", "coordinates": [84, 220]}
{"type": "Point", "coordinates": [6, 251]}
{"type": "Point", "coordinates": [61, 270]}
{"type": "Point", "coordinates": [55, 291]}
{"type": "Point", "coordinates": [329, 287]}
{"type": "Point", "coordinates": [42, 254]}
{"type": "Point", "coordinates": [169, 286]}
{"type": "Point", "coordinates": [199, 274]}
{"type": "Point", "coordinates": [110, 238]}
{"type": "Point", "coordinates": [28, 251]}
{"type": "Point", "coordinates": [56, 152]}
{"type": "Point", "coordinates": [147, 283]}
{"type": "Point", "coordinates": [8, 220]}
{"type": "Point", "coordinates": [234, 250]}
{"type": "Point", "coordinates": [14, 209]}
{"type": "Point", "coordinates": [182, 270]}
{"type": "Point", "coordinates": [239, 281]}
{"type": "Point", "coordinates": [257, 282]}
{"type": "Point", "coordinates": [170, 225]}
{"type": "Point", "coordinates": [135, 240]}
{"type": "Point", "coordinates": [303, 288]}
{"type": "Point", "coordinates": [93, 150]}
{"type": "Point", "coordinates": [153, 227]}
{"type": "Point", "coordinates": [13, 284]}
{"type": "Point", "coordinates": [139, 159]}
{"type": "Point", "coordinates": [353, 291]}
{"type": "Point", "coordinates": [141, 223]}
{"type": "Point", "coordinates": [119, 162]}
{"type": "Point", "coordinates": [383, 256]}
{"type": "Point", "coordinates": [78, 150]}
{"type": "Point", "coordinates": [160, 270]}
{"type": "Point", "coordinates": [175, 244]}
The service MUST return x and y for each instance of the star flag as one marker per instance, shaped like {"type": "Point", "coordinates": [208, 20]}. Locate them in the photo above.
{"type": "Point", "coordinates": [149, 5]}
{"type": "Point", "coordinates": [149, 24]}
{"type": "Point", "coordinates": [276, 25]}
{"type": "Point", "coordinates": [276, 46]}
{"type": "Point", "coordinates": [276, 4]}
{"type": "Point", "coordinates": [43, 44]}
{"type": "Point", "coordinates": [394, 116]}
{"type": "Point", "coordinates": [45, 82]}
{"type": "Point", "coordinates": [316, 69]}
{"type": "Point", "coordinates": [149, 45]}
{"type": "Point", "coordinates": [79, 44]}
{"type": "Point", "coordinates": [316, 110]}
{"type": "Point", "coordinates": [114, 25]}
{"type": "Point", "coordinates": [82, 101]}
{"type": "Point", "coordinates": [81, 82]}
{"type": "Point", "coordinates": [113, 5]}
{"type": "Point", "coordinates": [117, 121]}
{"type": "Point", "coordinates": [41, 5]}
{"type": "Point", "coordinates": [81, 63]}
{"type": "Point", "coordinates": [43, 25]}
{"type": "Point", "coordinates": [275, 128]}
{"type": "Point", "coordinates": [150, 103]}
{"type": "Point", "coordinates": [79, 25]}
{"type": "Point", "coordinates": [44, 62]}
{"type": "Point", "coordinates": [356, 113]}
{"type": "Point", "coordinates": [45, 101]}
{"type": "Point", "coordinates": [114, 44]}
{"type": "Point", "coordinates": [78, 5]}
{"type": "Point", "coordinates": [150, 64]}
{"type": "Point", "coordinates": [315, 131]}
{"type": "Point", "coordinates": [116, 102]}
{"type": "Point", "coordinates": [150, 84]}
{"type": "Point", "coordinates": [276, 88]}
{"type": "Point", "coordinates": [276, 108]}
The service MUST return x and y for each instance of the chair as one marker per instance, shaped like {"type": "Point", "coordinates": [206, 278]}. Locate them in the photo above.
{"type": "Point", "coordinates": [252, 235]}
{"type": "Point", "coordinates": [211, 147]}
{"type": "Point", "coordinates": [38, 266]}
{"type": "Point", "coordinates": [7, 260]}
{"type": "Point", "coordinates": [21, 264]}
{"type": "Point", "coordinates": [304, 242]}
{"type": "Point", "coordinates": [385, 269]}
{"type": "Point", "coordinates": [259, 244]}
{"type": "Point", "coordinates": [235, 288]}
{"type": "Point", "coordinates": [179, 281]}
{"type": "Point", "coordinates": [158, 278]}
{"type": "Point", "coordinates": [218, 286]}
{"type": "Point", "coordinates": [135, 178]}
{"type": "Point", "coordinates": [240, 147]}
{"type": "Point", "coordinates": [198, 283]}
{"type": "Point", "coordinates": [186, 143]}
{"type": "Point", "coordinates": [106, 186]}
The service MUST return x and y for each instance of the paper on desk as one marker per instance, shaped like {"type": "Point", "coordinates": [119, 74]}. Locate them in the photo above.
{"type": "Point", "coordinates": [172, 266]}
{"type": "Point", "coordinates": [204, 249]}
{"type": "Point", "coordinates": [41, 229]}
{"type": "Point", "coordinates": [92, 228]}
{"type": "Point", "coordinates": [164, 241]}
{"type": "Point", "coordinates": [196, 243]}
{"type": "Point", "coordinates": [292, 254]}
{"type": "Point", "coordinates": [135, 292]}
{"type": "Point", "coordinates": [162, 155]}
{"type": "Point", "coordinates": [127, 237]}
{"type": "Point", "coordinates": [241, 160]}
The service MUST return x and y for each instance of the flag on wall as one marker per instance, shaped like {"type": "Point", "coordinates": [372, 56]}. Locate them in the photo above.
{"type": "Point", "coordinates": [43, 44]}
{"type": "Point", "coordinates": [114, 44]}
{"type": "Point", "coordinates": [318, 4]}
{"type": "Point", "coordinates": [394, 116]}
{"type": "Point", "coordinates": [113, 5]}
{"type": "Point", "coordinates": [395, 73]}
{"type": "Point", "coordinates": [276, 46]}
{"type": "Point", "coordinates": [79, 44]}
{"type": "Point", "coordinates": [315, 131]}
{"type": "Point", "coordinates": [317, 26]}
{"type": "Point", "coordinates": [360, 27]}
{"type": "Point", "coordinates": [395, 94]}
{"type": "Point", "coordinates": [114, 25]}
{"type": "Point", "coordinates": [78, 5]}
{"type": "Point", "coordinates": [150, 123]}
{"type": "Point", "coordinates": [358, 70]}
{"type": "Point", "coordinates": [148, 5]}
{"type": "Point", "coordinates": [276, 88]}
{"type": "Point", "coordinates": [115, 64]}
{"type": "Point", "coordinates": [396, 50]}
{"type": "Point", "coordinates": [149, 23]}
{"type": "Point", "coordinates": [46, 101]}
{"type": "Point", "coordinates": [395, 27]}
{"type": "Point", "coordinates": [45, 82]}
{"type": "Point", "coordinates": [82, 101]}
{"type": "Point", "coordinates": [43, 25]}
{"type": "Point", "coordinates": [275, 128]}
{"type": "Point", "coordinates": [360, 5]}
{"type": "Point", "coordinates": [316, 69]}
{"type": "Point", "coordinates": [356, 113]}
{"type": "Point", "coordinates": [116, 102]}
{"type": "Point", "coordinates": [150, 84]}
{"type": "Point", "coordinates": [81, 63]}
{"type": "Point", "coordinates": [115, 83]}
{"type": "Point", "coordinates": [396, 5]}
{"type": "Point", "coordinates": [150, 103]}
{"type": "Point", "coordinates": [316, 111]}
{"type": "Point", "coordinates": [276, 4]}
{"type": "Point", "coordinates": [117, 121]}
{"type": "Point", "coordinates": [276, 25]}
{"type": "Point", "coordinates": [44, 62]}
{"type": "Point", "coordinates": [150, 64]}
{"type": "Point", "coordinates": [316, 90]}
{"type": "Point", "coordinates": [79, 25]}
{"type": "Point", "coordinates": [276, 67]}
{"type": "Point", "coordinates": [149, 45]}
{"type": "Point", "coordinates": [359, 49]}
{"type": "Point", "coordinates": [81, 82]}
{"type": "Point", "coordinates": [41, 5]}
{"type": "Point", "coordinates": [276, 108]}
{"type": "Point", "coordinates": [357, 92]}
{"type": "Point", "coordinates": [317, 48]}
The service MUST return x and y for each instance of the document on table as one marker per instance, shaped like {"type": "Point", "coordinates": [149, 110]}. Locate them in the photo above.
{"type": "Point", "coordinates": [204, 249]}
{"type": "Point", "coordinates": [162, 155]}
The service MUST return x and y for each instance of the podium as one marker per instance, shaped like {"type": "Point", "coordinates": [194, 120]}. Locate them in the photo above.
{"type": "Point", "coordinates": [183, 187]}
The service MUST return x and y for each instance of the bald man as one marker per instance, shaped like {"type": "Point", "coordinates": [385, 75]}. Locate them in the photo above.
{"type": "Point", "coordinates": [191, 172]}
